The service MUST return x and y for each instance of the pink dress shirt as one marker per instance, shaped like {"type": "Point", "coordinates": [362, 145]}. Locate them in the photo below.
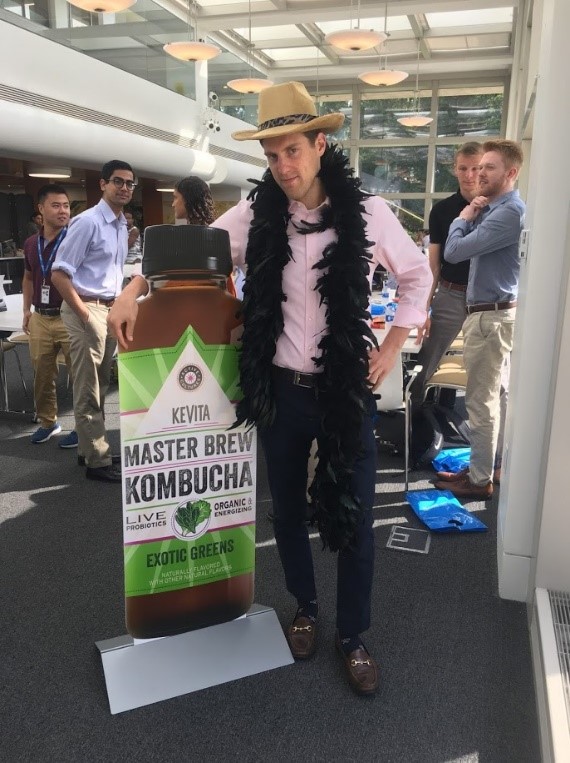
{"type": "Point", "coordinates": [304, 316]}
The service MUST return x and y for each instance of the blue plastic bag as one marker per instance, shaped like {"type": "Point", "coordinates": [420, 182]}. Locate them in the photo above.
{"type": "Point", "coordinates": [452, 460]}
{"type": "Point", "coordinates": [441, 511]}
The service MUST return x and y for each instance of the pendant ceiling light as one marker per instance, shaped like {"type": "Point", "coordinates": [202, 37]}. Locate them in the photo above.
{"type": "Point", "coordinates": [382, 75]}
{"type": "Point", "coordinates": [249, 84]}
{"type": "Point", "coordinates": [191, 49]}
{"type": "Point", "coordinates": [102, 6]}
{"type": "Point", "coordinates": [416, 119]}
{"type": "Point", "coordinates": [355, 39]}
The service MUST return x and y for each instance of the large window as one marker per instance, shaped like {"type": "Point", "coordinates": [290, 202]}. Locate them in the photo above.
{"type": "Point", "coordinates": [444, 179]}
{"type": "Point", "coordinates": [379, 116]}
{"type": "Point", "coordinates": [412, 168]}
{"type": "Point", "coordinates": [331, 104]}
{"type": "Point", "coordinates": [394, 170]}
{"type": "Point", "coordinates": [466, 114]}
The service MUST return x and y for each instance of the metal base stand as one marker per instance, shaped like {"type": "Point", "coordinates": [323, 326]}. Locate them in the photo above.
{"type": "Point", "coordinates": [138, 674]}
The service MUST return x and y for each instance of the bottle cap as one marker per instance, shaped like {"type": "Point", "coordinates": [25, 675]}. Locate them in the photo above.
{"type": "Point", "coordinates": [186, 247]}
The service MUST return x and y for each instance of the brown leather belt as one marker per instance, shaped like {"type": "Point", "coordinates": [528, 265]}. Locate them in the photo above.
{"type": "Point", "coordinates": [97, 301]}
{"type": "Point", "coordinates": [488, 306]}
{"type": "Point", "coordinates": [53, 311]}
{"type": "Point", "coordinates": [298, 378]}
{"type": "Point", "coordinates": [452, 286]}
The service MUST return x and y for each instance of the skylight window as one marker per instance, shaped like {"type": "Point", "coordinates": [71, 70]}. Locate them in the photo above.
{"type": "Point", "coordinates": [470, 18]}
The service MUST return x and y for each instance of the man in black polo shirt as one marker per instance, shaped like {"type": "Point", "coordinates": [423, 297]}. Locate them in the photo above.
{"type": "Point", "coordinates": [45, 327]}
{"type": "Point", "coordinates": [447, 297]}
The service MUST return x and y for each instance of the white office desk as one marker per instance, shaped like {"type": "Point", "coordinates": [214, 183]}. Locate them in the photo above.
{"type": "Point", "coordinates": [409, 347]}
{"type": "Point", "coordinates": [12, 318]}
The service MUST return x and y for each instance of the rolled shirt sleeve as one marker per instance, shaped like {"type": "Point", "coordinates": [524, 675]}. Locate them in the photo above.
{"type": "Point", "coordinates": [73, 250]}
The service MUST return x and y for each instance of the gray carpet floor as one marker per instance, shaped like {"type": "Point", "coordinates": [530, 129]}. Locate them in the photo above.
{"type": "Point", "coordinates": [455, 659]}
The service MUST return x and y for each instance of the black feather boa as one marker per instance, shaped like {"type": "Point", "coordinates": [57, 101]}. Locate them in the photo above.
{"type": "Point", "coordinates": [344, 290]}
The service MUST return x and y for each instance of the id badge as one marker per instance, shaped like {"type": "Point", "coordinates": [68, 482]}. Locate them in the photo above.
{"type": "Point", "coordinates": [45, 295]}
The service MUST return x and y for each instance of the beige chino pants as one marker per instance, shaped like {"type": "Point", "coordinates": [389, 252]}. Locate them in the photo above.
{"type": "Point", "coordinates": [48, 335]}
{"type": "Point", "coordinates": [92, 350]}
{"type": "Point", "coordinates": [488, 341]}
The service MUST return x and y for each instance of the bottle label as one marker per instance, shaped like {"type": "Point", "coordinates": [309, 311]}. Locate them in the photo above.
{"type": "Point", "coordinates": [188, 480]}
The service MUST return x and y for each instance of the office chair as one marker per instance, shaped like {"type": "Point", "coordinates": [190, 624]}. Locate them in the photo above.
{"type": "Point", "coordinates": [6, 345]}
{"type": "Point", "coordinates": [451, 374]}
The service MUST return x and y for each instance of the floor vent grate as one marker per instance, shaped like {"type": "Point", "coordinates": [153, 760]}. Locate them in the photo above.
{"type": "Point", "coordinates": [560, 606]}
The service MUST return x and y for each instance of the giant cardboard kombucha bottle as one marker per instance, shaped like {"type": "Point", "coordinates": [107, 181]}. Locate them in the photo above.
{"type": "Point", "coordinates": [188, 479]}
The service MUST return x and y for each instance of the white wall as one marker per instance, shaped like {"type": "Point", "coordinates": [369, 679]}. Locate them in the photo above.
{"type": "Point", "coordinates": [532, 505]}
{"type": "Point", "coordinates": [553, 557]}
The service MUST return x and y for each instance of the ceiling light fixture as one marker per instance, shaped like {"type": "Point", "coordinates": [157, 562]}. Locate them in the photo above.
{"type": "Point", "coordinates": [355, 39]}
{"type": "Point", "coordinates": [166, 187]}
{"type": "Point", "coordinates": [192, 49]}
{"type": "Point", "coordinates": [102, 6]}
{"type": "Point", "coordinates": [416, 119]}
{"type": "Point", "coordinates": [382, 75]}
{"type": "Point", "coordinates": [249, 84]}
{"type": "Point", "coordinates": [49, 172]}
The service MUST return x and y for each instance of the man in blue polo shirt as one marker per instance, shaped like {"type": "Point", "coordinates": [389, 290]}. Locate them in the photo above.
{"type": "Point", "coordinates": [88, 273]}
{"type": "Point", "coordinates": [487, 233]}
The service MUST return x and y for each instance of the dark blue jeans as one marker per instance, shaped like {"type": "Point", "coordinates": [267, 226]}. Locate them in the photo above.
{"type": "Point", "coordinates": [287, 445]}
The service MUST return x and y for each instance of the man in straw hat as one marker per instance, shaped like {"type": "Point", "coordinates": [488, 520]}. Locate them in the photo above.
{"type": "Point", "coordinates": [309, 240]}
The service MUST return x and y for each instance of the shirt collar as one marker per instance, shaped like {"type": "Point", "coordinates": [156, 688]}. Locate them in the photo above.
{"type": "Point", "coordinates": [503, 198]}
{"type": "Point", "coordinates": [297, 207]}
{"type": "Point", "coordinates": [108, 214]}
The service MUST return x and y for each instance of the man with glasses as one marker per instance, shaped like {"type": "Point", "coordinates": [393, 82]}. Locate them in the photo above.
{"type": "Point", "coordinates": [88, 273]}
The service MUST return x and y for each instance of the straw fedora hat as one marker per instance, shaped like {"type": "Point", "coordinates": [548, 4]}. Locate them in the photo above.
{"type": "Point", "coordinates": [285, 109]}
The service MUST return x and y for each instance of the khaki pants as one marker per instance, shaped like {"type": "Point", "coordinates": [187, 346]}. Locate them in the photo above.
{"type": "Point", "coordinates": [488, 341]}
{"type": "Point", "coordinates": [48, 336]}
{"type": "Point", "coordinates": [92, 350]}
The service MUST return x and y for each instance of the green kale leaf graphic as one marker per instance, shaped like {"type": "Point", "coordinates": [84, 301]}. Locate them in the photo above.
{"type": "Point", "coordinates": [190, 515]}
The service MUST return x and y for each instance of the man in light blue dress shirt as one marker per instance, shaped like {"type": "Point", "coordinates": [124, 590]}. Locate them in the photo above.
{"type": "Point", "coordinates": [88, 273]}
{"type": "Point", "coordinates": [487, 233]}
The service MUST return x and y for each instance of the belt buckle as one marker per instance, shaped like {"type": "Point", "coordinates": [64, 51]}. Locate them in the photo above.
{"type": "Point", "coordinates": [297, 380]}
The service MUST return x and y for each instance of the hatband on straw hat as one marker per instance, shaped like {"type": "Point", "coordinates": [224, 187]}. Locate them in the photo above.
{"type": "Point", "coordinates": [285, 109]}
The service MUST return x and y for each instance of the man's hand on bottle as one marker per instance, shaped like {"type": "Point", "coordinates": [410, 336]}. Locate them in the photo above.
{"type": "Point", "coordinates": [123, 314]}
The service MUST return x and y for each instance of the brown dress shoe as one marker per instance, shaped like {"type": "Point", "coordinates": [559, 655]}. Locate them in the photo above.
{"type": "Point", "coordinates": [361, 670]}
{"type": "Point", "coordinates": [301, 636]}
{"type": "Point", "coordinates": [452, 476]}
{"type": "Point", "coordinates": [464, 488]}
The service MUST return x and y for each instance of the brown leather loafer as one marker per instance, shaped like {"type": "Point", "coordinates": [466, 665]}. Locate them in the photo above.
{"type": "Point", "coordinates": [301, 636]}
{"type": "Point", "coordinates": [464, 488]}
{"type": "Point", "coordinates": [452, 476]}
{"type": "Point", "coordinates": [361, 670]}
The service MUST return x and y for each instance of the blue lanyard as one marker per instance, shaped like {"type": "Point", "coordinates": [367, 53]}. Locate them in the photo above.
{"type": "Point", "coordinates": [45, 266]}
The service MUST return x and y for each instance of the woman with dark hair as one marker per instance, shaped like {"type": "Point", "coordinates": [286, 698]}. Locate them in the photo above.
{"type": "Point", "coordinates": [193, 202]}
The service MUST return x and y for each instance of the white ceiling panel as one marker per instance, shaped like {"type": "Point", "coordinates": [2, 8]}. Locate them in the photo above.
{"type": "Point", "coordinates": [457, 38]}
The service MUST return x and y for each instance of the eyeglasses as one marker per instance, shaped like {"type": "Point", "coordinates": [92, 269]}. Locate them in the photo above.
{"type": "Point", "coordinates": [119, 183]}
